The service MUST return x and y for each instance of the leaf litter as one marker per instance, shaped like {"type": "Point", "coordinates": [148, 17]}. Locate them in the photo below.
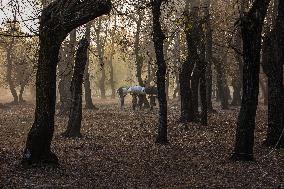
{"type": "Point", "coordinates": [118, 150]}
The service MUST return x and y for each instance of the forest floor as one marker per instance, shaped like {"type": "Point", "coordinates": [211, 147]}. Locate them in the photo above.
{"type": "Point", "coordinates": [118, 150]}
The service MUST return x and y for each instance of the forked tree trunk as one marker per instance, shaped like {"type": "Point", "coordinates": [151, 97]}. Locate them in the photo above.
{"type": "Point", "coordinates": [158, 39]}
{"type": "Point", "coordinates": [54, 27]}
{"type": "Point", "coordinates": [251, 26]}
{"type": "Point", "coordinates": [75, 116]}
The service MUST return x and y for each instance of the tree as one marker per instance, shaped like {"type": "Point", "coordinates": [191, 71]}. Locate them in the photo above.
{"type": "Point", "coordinates": [158, 39]}
{"type": "Point", "coordinates": [65, 73]}
{"type": "Point", "coordinates": [57, 20]}
{"type": "Point", "coordinates": [87, 84]}
{"type": "Point", "coordinates": [251, 27]}
{"type": "Point", "coordinates": [209, 45]}
{"type": "Point", "coordinates": [101, 42]}
{"type": "Point", "coordinates": [185, 78]}
{"type": "Point", "coordinates": [272, 62]}
{"type": "Point", "coordinates": [75, 116]}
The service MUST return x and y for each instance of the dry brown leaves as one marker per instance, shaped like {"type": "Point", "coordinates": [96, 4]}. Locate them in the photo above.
{"type": "Point", "coordinates": [118, 151]}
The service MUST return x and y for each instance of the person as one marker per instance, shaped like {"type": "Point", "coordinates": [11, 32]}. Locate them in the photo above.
{"type": "Point", "coordinates": [122, 92]}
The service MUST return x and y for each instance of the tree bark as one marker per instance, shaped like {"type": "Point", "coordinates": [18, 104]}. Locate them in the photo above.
{"type": "Point", "coordinates": [221, 82]}
{"type": "Point", "coordinates": [158, 39]}
{"type": "Point", "coordinates": [66, 76]}
{"type": "Point", "coordinates": [10, 70]}
{"type": "Point", "coordinates": [100, 48]}
{"type": "Point", "coordinates": [176, 64]}
{"type": "Point", "coordinates": [112, 51]}
{"type": "Point", "coordinates": [87, 83]}
{"type": "Point", "coordinates": [75, 116]}
{"type": "Point", "coordinates": [237, 80]}
{"type": "Point", "coordinates": [57, 20]}
{"type": "Point", "coordinates": [186, 89]}
{"type": "Point", "coordinates": [251, 27]}
{"type": "Point", "coordinates": [209, 52]}
{"type": "Point", "coordinates": [273, 67]}
{"type": "Point", "coordinates": [138, 57]}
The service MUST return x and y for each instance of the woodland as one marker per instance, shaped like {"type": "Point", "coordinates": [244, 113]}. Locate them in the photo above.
{"type": "Point", "coordinates": [141, 94]}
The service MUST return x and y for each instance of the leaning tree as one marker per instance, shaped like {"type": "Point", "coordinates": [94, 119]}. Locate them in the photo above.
{"type": "Point", "coordinates": [56, 21]}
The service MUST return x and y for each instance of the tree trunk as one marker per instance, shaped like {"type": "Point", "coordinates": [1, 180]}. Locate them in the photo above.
{"type": "Point", "coordinates": [75, 116]}
{"type": "Point", "coordinates": [138, 57]}
{"type": "Point", "coordinates": [66, 75]}
{"type": "Point", "coordinates": [186, 84]}
{"type": "Point", "coordinates": [87, 84]}
{"type": "Point", "coordinates": [112, 51]}
{"type": "Point", "coordinates": [221, 83]}
{"type": "Point", "coordinates": [273, 67]}
{"type": "Point", "coordinates": [100, 49]}
{"type": "Point", "coordinates": [251, 26]}
{"type": "Point", "coordinates": [209, 47]}
{"type": "Point", "coordinates": [263, 86]}
{"type": "Point", "coordinates": [203, 97]}
{"type": "Point", "coordinates": [176, 63]}
{"type": "Point", "coordinates": [237, 80]}
{"type": "Point", "coordinates": [53, 30]}
{"type": "Point", "coordinates": [9, 72]}
{"type": "Point", "coordinates": [22, 89]}
{"type": "Point", "coordinates": [158, 39]}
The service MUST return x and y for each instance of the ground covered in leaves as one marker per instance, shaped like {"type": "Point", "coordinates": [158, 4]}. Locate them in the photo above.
{"type": "Point", "coordinates": [118, 151]}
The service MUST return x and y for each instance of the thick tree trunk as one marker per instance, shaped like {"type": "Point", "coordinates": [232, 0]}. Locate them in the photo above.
{"type": "Point", "coordinates": [186, 84]}
{"type": "Point", "coordinates": [75, 116]}
{"type": "Point", "coordinates": [53, 30]}
{"type": "Point", "coordinates": [251, 26]}
{"type": "Point", "coordinates": [40, 135]}
{"type": "Point", "coordinates": [87, 84]}
{"type": "Point", "coordinates": [158, 39]}
{"type": "Point", "coordinates": [273, 67]}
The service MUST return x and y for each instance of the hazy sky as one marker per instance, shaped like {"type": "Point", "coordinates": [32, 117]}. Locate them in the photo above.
{"type": "Point", "coordinates": [26, 13]}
